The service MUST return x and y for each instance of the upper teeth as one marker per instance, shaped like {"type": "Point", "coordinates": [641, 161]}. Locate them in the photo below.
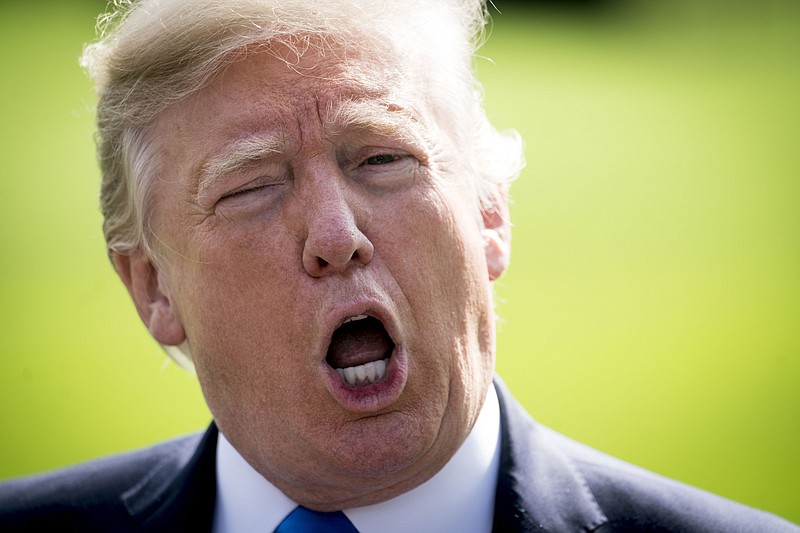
{"type": "Point", "coordinates": [366, 373]}
{"type": "Point", "coordinates": [354, 318]}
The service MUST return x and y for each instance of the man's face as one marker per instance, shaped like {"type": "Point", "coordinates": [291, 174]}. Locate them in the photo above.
{"type": "Point", "coordinates": [313, 218]}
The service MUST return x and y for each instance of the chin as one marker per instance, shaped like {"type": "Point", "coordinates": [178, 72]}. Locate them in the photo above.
{"type": "Point", "coordinates": [387, 445]}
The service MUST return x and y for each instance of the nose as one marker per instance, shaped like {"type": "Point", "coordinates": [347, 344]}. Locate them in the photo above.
{"type": "Point", "coordinates": [334, 242]}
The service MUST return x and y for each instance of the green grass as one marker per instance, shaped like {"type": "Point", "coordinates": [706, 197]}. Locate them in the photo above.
{"type": "Point", "coordinates": [652, 309]}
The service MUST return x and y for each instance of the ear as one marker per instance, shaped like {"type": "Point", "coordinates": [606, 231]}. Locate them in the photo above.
{"type": "Point", "coordinates": [496, 232]}
{"type": "Point", "coordinates": [149, 289]}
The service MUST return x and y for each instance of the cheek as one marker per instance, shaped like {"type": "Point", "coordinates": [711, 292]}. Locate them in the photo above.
{"type": "Point", "coordinates": [436, 248]}
{"type": "Point", "coordinates": [243, 333]}
{"type": "Point", "coordinates": [236, 293]}
{"type": "Point", "coordinates": [436, 257]}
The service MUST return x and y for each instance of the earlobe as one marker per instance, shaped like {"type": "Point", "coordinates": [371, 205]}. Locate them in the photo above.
{"type": "Point", "coordinates": [150, 292]}
{"type": "Point", "coordinates": [497, 254]}
{"type": "Point", "coordinates": [496, 233]}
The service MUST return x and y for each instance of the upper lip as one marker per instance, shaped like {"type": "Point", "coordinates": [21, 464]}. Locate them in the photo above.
{"type": "Point", "coordinates": [337, 316]}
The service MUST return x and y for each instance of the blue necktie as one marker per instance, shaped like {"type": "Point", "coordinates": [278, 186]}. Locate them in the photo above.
{"type": "Point", "coordinates": [303, 520]}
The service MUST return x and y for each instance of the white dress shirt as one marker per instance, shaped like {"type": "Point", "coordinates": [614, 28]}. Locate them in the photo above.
{"type": "Point", "coordinates": [460, 497]}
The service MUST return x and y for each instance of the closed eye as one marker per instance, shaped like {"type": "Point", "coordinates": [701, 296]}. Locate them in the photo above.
{"type": "Point", "coordinates": [257, 197]}
{"type": "Point", "coordinates": [266, 187]}
{"type": "Point", "coordinates": [242, 192]}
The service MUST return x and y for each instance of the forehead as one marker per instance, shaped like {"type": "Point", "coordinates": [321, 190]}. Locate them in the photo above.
{"type": "Point", "coordinates": [278, 85]}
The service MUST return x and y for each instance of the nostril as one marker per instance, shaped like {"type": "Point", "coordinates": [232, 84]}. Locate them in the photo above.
{"type": "Point", "coordinates": [335, 248]}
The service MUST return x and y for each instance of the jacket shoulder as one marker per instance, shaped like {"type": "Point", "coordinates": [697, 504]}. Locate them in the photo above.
{"type": "Point", "coordinates": [635, 499]}
{"type": "Point", "coordinates": [551, 482]}
{"type": "Point", "coordinates": [90, 496]}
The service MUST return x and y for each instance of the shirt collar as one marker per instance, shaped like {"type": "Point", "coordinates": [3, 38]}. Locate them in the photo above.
{"type": "Point", "coordinates": [460, 497]}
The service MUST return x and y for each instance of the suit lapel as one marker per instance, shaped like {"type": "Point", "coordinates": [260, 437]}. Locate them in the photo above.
{"type": "Point", "coordinates": [539, 489]}
{"type": "Point", "coordinates": [179, 493]}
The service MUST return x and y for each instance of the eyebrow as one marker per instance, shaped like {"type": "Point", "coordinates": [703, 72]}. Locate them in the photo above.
{"type": "Point", "coordinates": [371, 116]}
{"type": "Point", "coordinates": [240, 155]}
{"type": "Point", "coordinates": [381, 119]}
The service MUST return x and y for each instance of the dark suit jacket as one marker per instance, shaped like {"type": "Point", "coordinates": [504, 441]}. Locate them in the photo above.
{"type": "Point", "coordinates": [547, 483]}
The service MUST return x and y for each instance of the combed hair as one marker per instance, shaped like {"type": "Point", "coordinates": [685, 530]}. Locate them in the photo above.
{"type": "Point", "coordinates": [154, 53]}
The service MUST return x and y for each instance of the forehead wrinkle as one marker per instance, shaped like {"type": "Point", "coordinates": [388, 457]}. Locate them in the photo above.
{"type": "Point", "coordinates": [239, 155]}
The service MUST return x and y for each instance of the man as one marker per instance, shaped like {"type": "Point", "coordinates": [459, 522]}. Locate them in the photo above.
{"type": "Point", "coordinates": [308, 205]}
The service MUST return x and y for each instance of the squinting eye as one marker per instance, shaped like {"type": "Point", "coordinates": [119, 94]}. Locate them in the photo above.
{"type": "Point", "coordinates": [386, 171]}
{"type": "Point", "coordinates": [381, 159]}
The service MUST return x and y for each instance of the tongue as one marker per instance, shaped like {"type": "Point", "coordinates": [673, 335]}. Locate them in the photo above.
{"type": "Point", "coordinates": [359, 342]}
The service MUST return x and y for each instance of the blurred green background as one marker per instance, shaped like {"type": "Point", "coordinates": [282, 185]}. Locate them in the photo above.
{"type": "Point", "coordinates": [652, 309]}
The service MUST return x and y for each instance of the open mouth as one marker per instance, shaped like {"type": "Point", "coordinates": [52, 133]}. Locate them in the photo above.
{"type": "Point", "coordinates": [360, 350]}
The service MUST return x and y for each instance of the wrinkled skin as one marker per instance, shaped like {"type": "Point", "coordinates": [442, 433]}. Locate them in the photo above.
{"type": "Point", "coordinates": [257, 265]}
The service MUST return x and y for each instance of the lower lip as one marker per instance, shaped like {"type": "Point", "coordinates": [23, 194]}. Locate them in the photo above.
{"type": "Point", "coordinates": [374, 397]}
